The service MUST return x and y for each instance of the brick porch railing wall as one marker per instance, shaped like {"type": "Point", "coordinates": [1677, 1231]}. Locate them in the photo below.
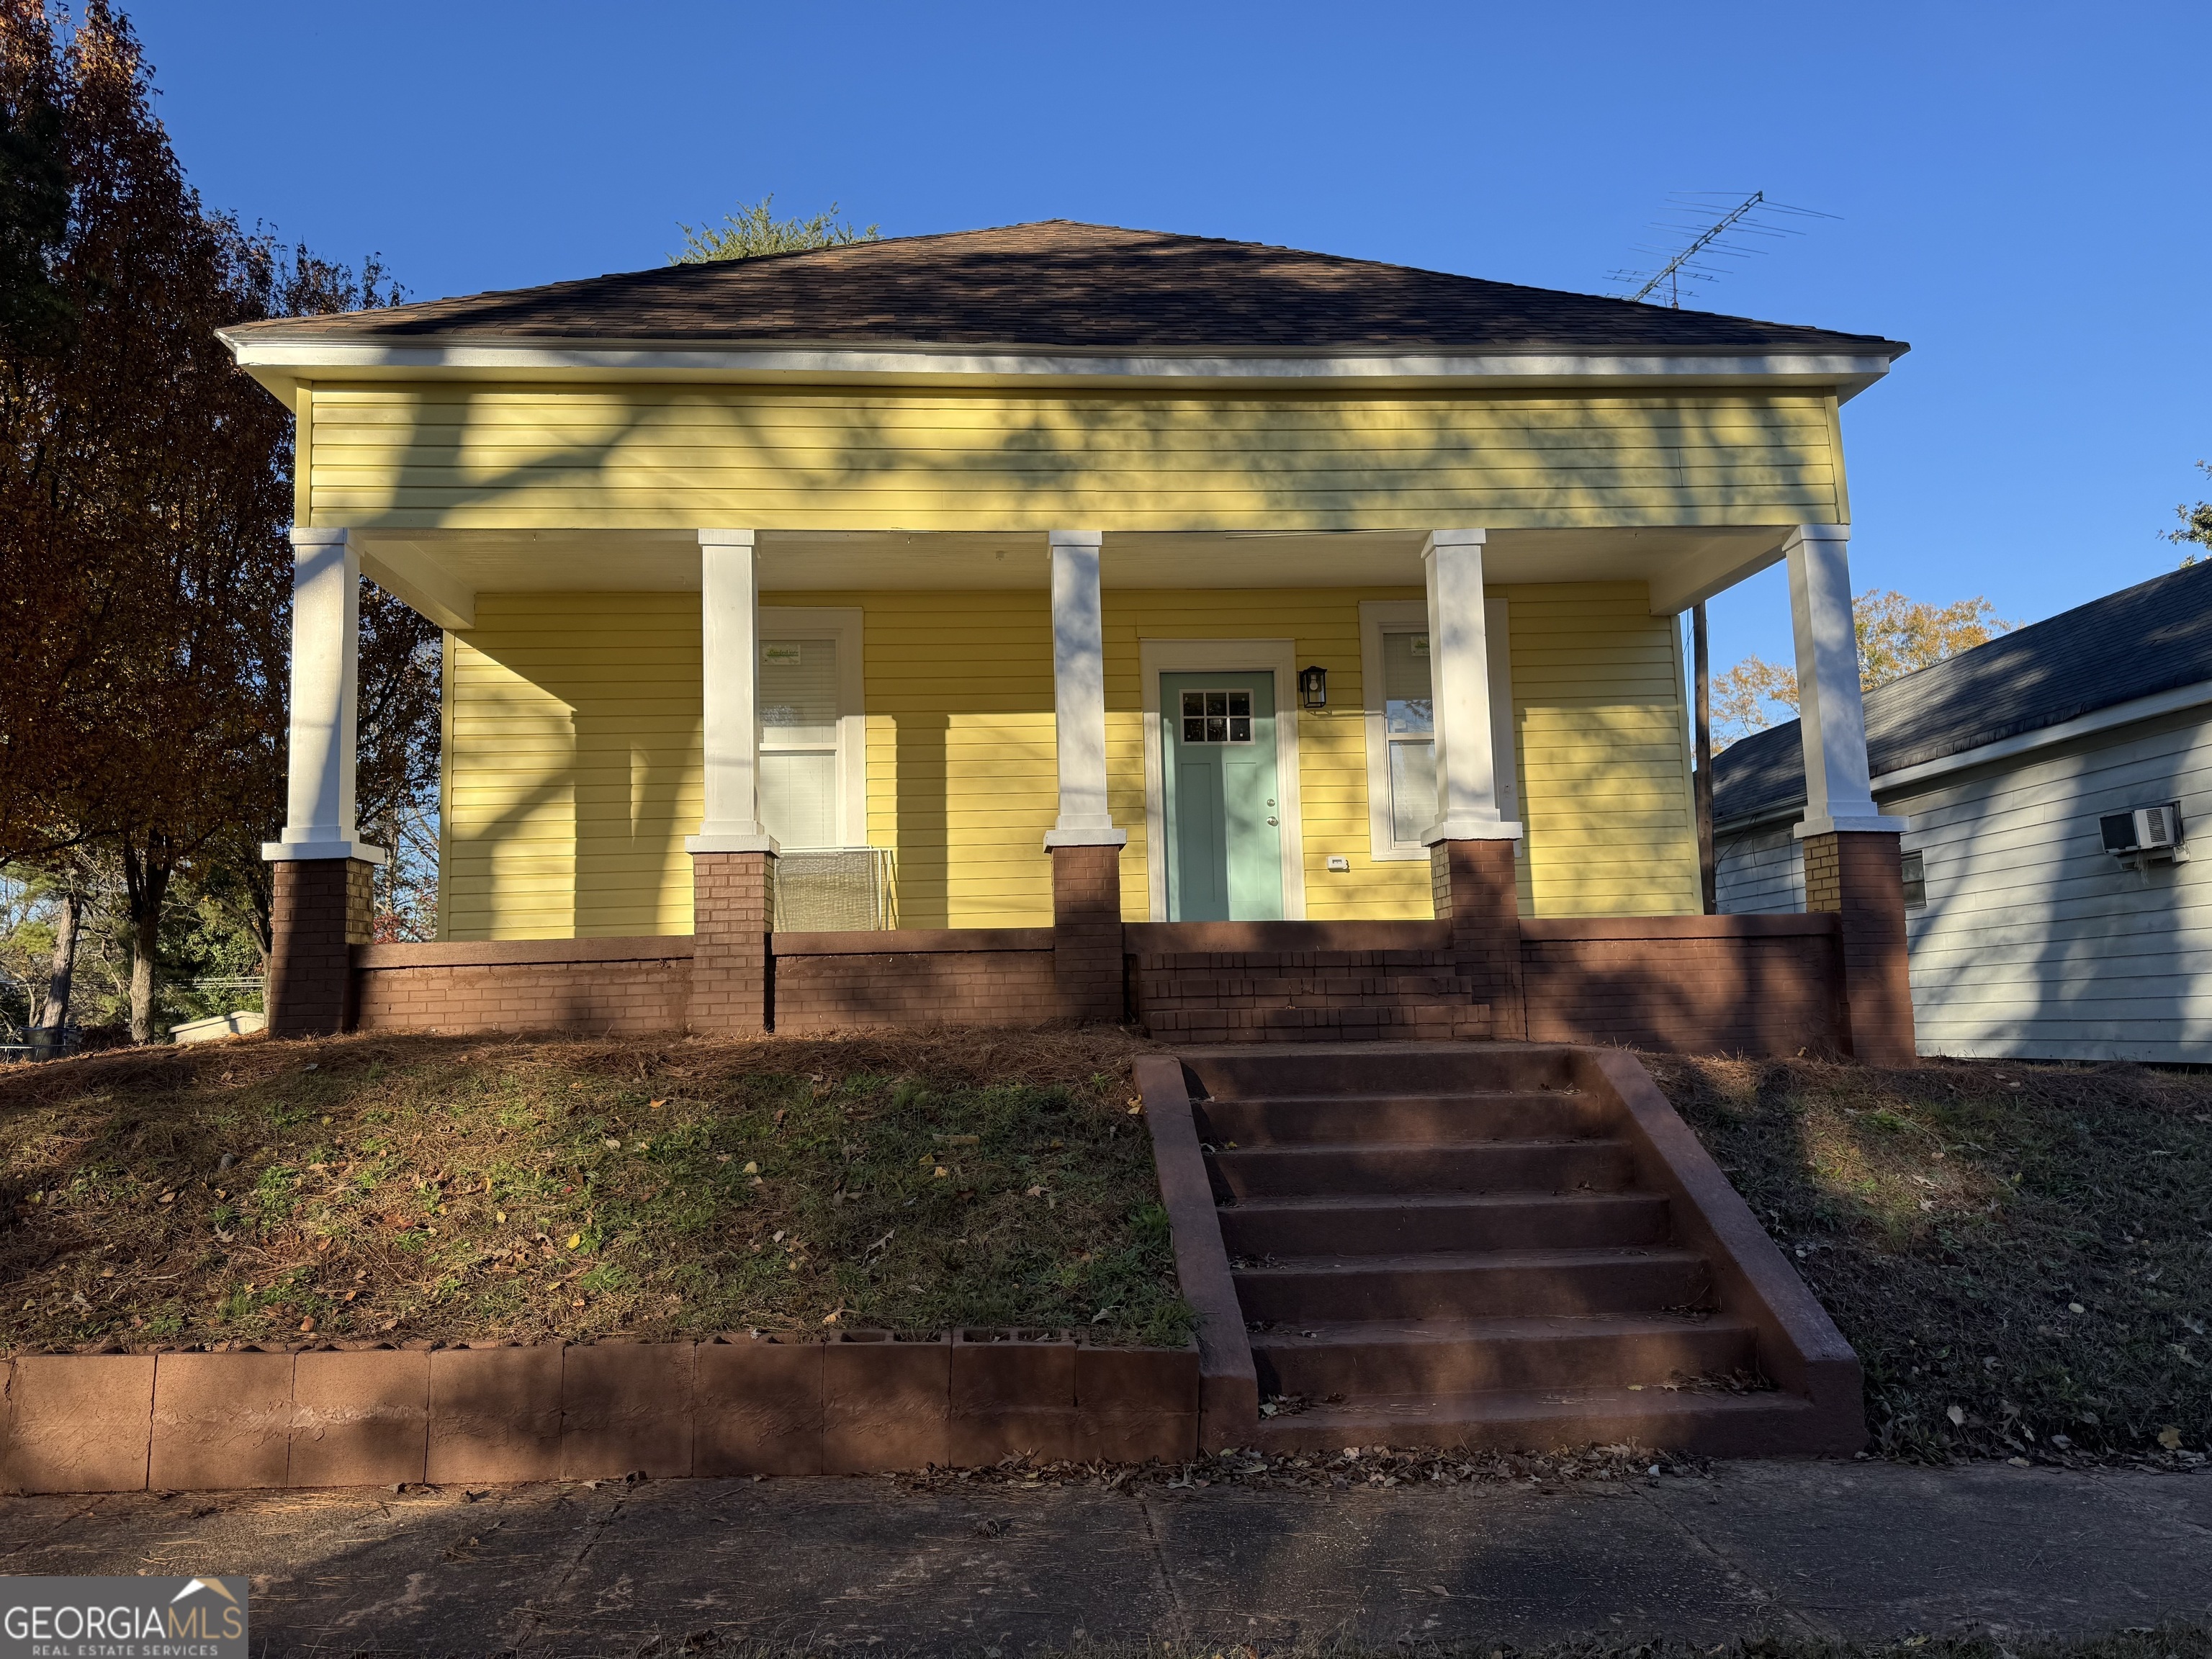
{"type": "Point", "coordinates": [911, 977]}
{"type": "Point", "coordinates": [1754, 985]}
{"type": "Point", "coordinates": [1749, 985]}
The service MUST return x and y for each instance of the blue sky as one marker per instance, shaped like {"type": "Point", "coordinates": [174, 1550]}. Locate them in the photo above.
{"type": "Point", "coordinates": [2022, 190]}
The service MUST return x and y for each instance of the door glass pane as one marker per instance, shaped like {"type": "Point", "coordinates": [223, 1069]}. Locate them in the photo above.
{"type": "Point", "coordinates": [798, 694]}
{"type": "Point", "coordinates": [1406, 684]}
{"type": "Point", "coordinates": [1413, 790]}
{"type": "Point", "coordinates": [798, 798]}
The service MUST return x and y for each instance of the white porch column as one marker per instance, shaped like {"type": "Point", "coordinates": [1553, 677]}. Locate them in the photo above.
{"type": "Point", "coordinates": [1832, 714]}
{"type": "Point", "coordinates": [729, 613]}
{"type": "Point", "coordinates": [1459, 692]}
{"type": "Point", "coordinates": [318, 817]}
{"type": "Point", "coordinates": [1079, 694]}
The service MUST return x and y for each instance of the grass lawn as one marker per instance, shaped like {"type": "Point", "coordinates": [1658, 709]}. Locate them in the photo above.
{"type": "Point", "coordinates": [409, 1187]}
{"type": "Point", "coordinates": [2021, 1254]}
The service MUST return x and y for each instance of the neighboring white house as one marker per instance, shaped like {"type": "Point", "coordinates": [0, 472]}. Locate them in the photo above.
{"type": "Point", "coordinates": [2044, 920]}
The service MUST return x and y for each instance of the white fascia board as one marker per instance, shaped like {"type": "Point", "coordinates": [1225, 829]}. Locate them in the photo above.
{"type": "Point", "coordinates": [1908, 778]}
{"type": "Point", "coordinates": [274, 360]}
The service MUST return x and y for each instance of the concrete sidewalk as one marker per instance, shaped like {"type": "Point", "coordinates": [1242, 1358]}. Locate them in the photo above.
{"type": "Point", "coordinates": [1848, 1549]}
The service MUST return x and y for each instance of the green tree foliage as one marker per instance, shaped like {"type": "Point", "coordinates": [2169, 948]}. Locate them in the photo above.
{"type": "Point", "coordinates": [753, 231]}
{"type": "Point", "coordinates": [1897, 635]}
{"type": "Point", "coordinates": [2196, 523]}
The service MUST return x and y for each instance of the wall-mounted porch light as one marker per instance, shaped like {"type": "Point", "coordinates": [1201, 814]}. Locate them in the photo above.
{"type": "Point", "coordinates": [1313, 687]}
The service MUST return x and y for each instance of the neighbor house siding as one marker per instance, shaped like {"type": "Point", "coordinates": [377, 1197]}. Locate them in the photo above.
{"type": "Point", "coordinates": [2034, 943]}
{"type": "Point", "coordinates": [1759, 871]}
{"type": "Point", "coordinates": [1600, 740]}
{"type": "Point", "coordinates": [527, 457]}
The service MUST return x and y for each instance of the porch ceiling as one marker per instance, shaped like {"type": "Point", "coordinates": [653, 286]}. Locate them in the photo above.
{"type": "Point", "coordinates": [439, 572]}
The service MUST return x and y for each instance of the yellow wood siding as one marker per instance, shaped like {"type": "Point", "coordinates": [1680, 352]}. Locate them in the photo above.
{"type": "Point", "coordinates": [572, 767]}
{"type": "Point", "coordinates": [573, 755]}
{"type": "Point", "coordinates": [530, 456]}
{"type": "Point", "coordinates": [1601, 745]}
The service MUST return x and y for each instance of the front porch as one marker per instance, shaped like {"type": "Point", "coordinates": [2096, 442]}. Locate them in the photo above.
{"type": "Point", "coordinates": [1474, 820]}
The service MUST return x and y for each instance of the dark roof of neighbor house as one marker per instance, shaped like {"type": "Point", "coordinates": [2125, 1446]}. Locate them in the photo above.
{"type": "Point", "coordinates": [1063, 285]}
{"type": "Point", "coordinates": [2152, 637]}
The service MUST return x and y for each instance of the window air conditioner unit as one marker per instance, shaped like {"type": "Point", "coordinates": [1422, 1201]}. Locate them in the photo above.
{"type": "Point", "coordinates": [2145, 833]}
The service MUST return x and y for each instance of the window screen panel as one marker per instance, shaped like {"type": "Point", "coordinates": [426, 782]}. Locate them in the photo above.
{"type": "Point", "coordinates": [798, 798]}
{"type": "Point", "coordinates": [797, 694]}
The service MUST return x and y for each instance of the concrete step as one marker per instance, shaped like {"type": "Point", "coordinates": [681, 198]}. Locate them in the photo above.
{"type": "Point", "coordinates": [1400, 1223]}
{"type": "Point", "coordinates": [1477, 1166]}
{"type": "Point", "coordinates": [1713, 1424]}
{"type": "Point", "coordinates": [1246, 1073]}
{"type": "Point", "coordinates": [1443, 1285]}
{"type": "Point", "coordinates": [1345, 1120]}
{"type": "Point", "coordinates": [1358, 1358]}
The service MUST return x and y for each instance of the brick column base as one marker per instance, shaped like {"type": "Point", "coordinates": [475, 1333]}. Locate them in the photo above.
{"type": "Point", "coordinates": [319, 910]}
{"type": "Point", "coordinates": [732, 910]}
{"type": "Point", "coordinates": [1086, 932]}
{"type": "Point", "coordinates": [1471, 883]}
{"type": "Point", "coordinates": [1859, 875]}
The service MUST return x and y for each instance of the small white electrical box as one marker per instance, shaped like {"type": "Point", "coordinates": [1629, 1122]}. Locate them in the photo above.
{"type": "Point", "coordinates": [1339, 862]}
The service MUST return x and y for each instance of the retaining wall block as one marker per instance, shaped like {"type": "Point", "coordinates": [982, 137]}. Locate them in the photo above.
{"type": "Point", "coordinates": [494, 1414]}
{"type": "Point", "coordinates": [885, 1401]}
{"type": "Point", "coordinates": [1012, 1394]}
{"type": "Point", "coordinates": [360, 1417]}
{"type": "Point", "coordinates": [626, 1409]}
{"type": "Point", "coordinates": [221, 1421]}
{"type": "Point", "coordinates": [80, 1422]}
{"type": "Point", "coordinates": [759, 1405]}
{"type": "Point", "coordinates": [1134, 1404]}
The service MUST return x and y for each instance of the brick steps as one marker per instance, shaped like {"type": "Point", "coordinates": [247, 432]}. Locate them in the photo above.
{"type": "Point", "coordinates": [1384, 1223]}
{"type": "Point", "coordinates": [1477, 1356]}
{"type": "Point", "coordinates": [1442, 1285]}
{"type": "Point", "coordinates": [1486, 1245]}
{"type": "Point", "coordinates": [1564, 1165]}
{"type": "Point", "coordinates": [1319, 1120]}
{"type": "Point", "coordinates": [1714, 1424]}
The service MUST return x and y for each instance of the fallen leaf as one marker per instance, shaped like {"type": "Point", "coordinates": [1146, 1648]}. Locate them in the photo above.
{"type": "Point", "coordinates": [574, 1239]}
{"type": "Point", "coordinates": [1958, 1416]}
{"type": "Point", "coordinates": [2170, 1437]}
{"type": "Point", "coordinates": [307, 1324]}
{"type": "Point", "coordinates": [611, 1144]}
{"type": "Point", "coordinates": [168, 1198]}
{"type": "Point", "coordinates": [500, 1216]}
{"type": "Point", "coordinates": [1034, 1192]}
{"type": "Point", "coordinates": [1136, 1107]}
{"type": "Point", "coordinates": [656, 1104]}
{"type": "Point", "coordinates": [2075, 1307]}
{"type": "Point", "coordinates": [941, 1172]}
{"type": "Point", "coordinates": [751, 1168]}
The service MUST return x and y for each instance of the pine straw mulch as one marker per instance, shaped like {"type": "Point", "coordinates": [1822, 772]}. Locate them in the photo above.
{"type": "Point", "coordinates": [2020, 1254]}
{"type": "Point", "coordinates": [410, 1189]}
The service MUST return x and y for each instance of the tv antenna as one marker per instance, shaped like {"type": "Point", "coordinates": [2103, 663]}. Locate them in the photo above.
{"type": "Point", "coordinates": [1736, 234]}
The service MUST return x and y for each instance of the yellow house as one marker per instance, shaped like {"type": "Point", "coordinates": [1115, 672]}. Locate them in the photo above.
{"type": "Point", "coordinates": [1038, 622]}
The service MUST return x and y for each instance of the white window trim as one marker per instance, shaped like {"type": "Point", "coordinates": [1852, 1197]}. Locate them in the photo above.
{"type": "Point", "coordinates": [787, 621]}
{"type": "Point", "coordinates": [1278, 657]}
{"type": "Point", "coordinates": [1381, 616]}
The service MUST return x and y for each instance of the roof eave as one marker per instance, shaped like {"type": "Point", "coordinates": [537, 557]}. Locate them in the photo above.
{"type": "Point", "coordinates": [279, 360]}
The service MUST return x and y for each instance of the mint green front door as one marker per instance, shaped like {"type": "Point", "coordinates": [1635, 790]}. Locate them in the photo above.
{"type": "Point", "coordinates": [1223, 826]}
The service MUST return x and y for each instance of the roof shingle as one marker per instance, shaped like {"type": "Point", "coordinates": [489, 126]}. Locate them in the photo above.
{"type": "Point", "coordinates": [1061, 285]}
